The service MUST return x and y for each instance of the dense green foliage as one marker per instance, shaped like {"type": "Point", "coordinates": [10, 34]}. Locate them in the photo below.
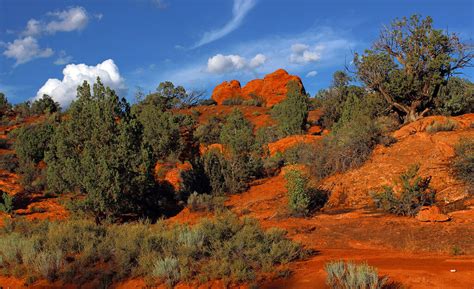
{"type": "Point", "coordinates": [209, 132]}
{"type": "Point", "coordinates": [456, 98]}
{"type": "Point", "coordinates": [5, 106]}
{"type": "Point", "coordinates": [348, 275]}
{"type": "Point", "coordinates": [71, 251]}
{"type": "Point", "coordinates": [45, 104]}
{"type": "Point", "coordinates": [415, 192]}
{"type": "Point", "coordinates": [292, 113]}
{"type": "Point", "coordinates": [409, 65]}
{"type": "Point", "coordinates": [31, 144]}
{"type": "Point", "coordinates": [352, 139]}
{"type": "Point", "coordinates": [463, 162]}
{"type": "Point", "coordinates": [98, 151]}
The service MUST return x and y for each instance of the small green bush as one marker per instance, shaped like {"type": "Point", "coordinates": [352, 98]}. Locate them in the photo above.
{"type": "Point", "coordinates": [415, 193]}
{"type": "Point", "coordinates": [463, 162]}
{"type": "Point", "coordinates": [292, 113]}
{"type": "Point", "coordinates": [301, 198]}
{"type": "Point", "coordinates": [7, 204]}
{"type": "Point", "coordinates": [205, 202]}
{"type": "Point", "coordinates": [207, 102]}
{"type": "Point", "coordinates": [436, 126]}
{"type": "Point", "coordinates": [348, 275]}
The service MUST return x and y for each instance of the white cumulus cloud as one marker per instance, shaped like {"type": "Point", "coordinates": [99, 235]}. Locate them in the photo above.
{"type": "Point", "coordinates": [228, 63]}
{"type": "Point", "coordinates": [26, 49]}
{"type": "Point", "coordinates": [239, 11]}
{"type": "Point", "coordinates": [75, 18]}
{"type": "Point", "coordinates": [63, 58]}
{"type": "Point", "coordinates": [33, 28]}
{"type": "Point", "coordinates": [312, 73]}
{"type": "Point", "coordinates": [302, 54]}
{"type": "Point", "coordinates": [64, 91]}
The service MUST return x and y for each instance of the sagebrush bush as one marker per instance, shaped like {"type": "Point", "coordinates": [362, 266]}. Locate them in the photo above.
{"type": "Point", "coordinates": [9, 162]}
{"type": "Point", "coordinates": [436, 126]}
{"type": "Point", "coordinates": [463, 162]}
{"type": "Point", "coordinates": [415, 192]}
{"type": "Point", "coordinates": [224, 247]}
{"type": "Point", "coordinates": [205, 202]}
{"type": "Point", "coordinates": [348, 275]}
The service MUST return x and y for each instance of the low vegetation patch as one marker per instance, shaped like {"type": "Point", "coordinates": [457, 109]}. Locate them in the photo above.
{"type": "Point", "coordinates": [415, 192]}
{"type": "Point", "coordinates": [302, 199]}
{"type": "Point", "coordinates": [463, 162]}
{"type": "Point", "coordinates": [436, 126]}
{"type": "Point", "coordinates": [205, 202]}
{"type": "Point", "coordinates": [348, 275]}
{"type": "Point", "coordinates": [6, 204]}
{"type": "Point", "coordinates": [222, 248]}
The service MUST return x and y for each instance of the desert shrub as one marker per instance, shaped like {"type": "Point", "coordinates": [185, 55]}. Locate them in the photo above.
{"type": "Point", "coordinates": [302, 199]}
{"type": "Point", "coordinates": [436, 126]}
{"type": "Point", "coordinates": [348, 275]}
{"type": "Point", "coordinates": [301, 153]}
{"type": "Point", "coordinates": [22, 109]}
{"type": "Point", "coordinates": [221, 248]}
{"type": "Point", "coordinates": [167, 269]}
{"type": "Point", "coordinates": [415, 192]}
{"type": "Point", "coordinates": [205, 202]}
{"type": "Point", "coordinates": [456, 98]}
{"type": "Point", "coordinates": [209, 132]}
{"type": "Point", "coordinates": [5, 106]}
{"type": "Point", "coordinates": [6, 205]}
{"type": "Point", "coordinates": [463, 162]}
{"type": "Point", "coordinates": [233, 101]}
{"type": "Point", "coordinates": [208, 102]}
{"type": "Point", "coordinates": [162, 131]}
{"type": "Point", "coordinates": [267, 134]}
{"type": "Point", "coordinates": [8, 162]}
{"type": "Point", "coordinates": [350, 143]}
{"type": "Point", "coordinates": [45, 104]}
{"type": "Point", "coordinates": [292, 113]}
{"type": "Point", "coordinates": [99, 153]}
{"type": "Point", "coordinates": [255, 100]}
{"type": "Point", "coordinates": [242, 161]}
{"type": "Point", "coordinates": [272, 165]}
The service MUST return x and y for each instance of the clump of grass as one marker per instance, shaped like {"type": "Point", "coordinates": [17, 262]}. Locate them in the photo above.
{"type": "Point", "coordinates": [233, 101]}
{"type": "Point", "coordinates": [437, 126]}
{"type": "Point", "coordinates": [456, 251]}
{"type": "Point", "coordinates": [415, 193]}
{"type": "Point", "coordinates": [348, 275]}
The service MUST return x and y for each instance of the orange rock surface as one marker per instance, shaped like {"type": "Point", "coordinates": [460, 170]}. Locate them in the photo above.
{"type": "Point", "coordinates": [272, 88]}
{"type": "Point", "coordinates": [171, 173]}
{"type": "Point", "coordinates": [280, 146]}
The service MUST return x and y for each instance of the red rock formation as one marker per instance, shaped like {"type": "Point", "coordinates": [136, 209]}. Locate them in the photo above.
{"type": "Point", "coordinates": [272, 88]}
{"type": "Point", "coordinates": [431, 214]}
{"type": "Point", "coordinates": [226, 90]}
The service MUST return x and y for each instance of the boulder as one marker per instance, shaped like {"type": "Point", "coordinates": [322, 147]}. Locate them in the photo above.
{"type": "Point", "coordinates": [431, 214]}
{"type": "Point", "coordinates": [226, 90]}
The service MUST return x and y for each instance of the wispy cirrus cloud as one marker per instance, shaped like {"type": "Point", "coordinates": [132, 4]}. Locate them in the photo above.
{"type": "Point", "coordinates": [240, 9]}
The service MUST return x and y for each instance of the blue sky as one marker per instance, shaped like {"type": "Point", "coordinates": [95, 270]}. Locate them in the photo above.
{"type": "Point", "coordinates": [50, 46]}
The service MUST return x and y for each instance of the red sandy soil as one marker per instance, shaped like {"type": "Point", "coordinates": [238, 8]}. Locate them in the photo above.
{"type": "Point", "coordinates": [432, 151]}
{"type": "Point", "coordinates": [415, 254]}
